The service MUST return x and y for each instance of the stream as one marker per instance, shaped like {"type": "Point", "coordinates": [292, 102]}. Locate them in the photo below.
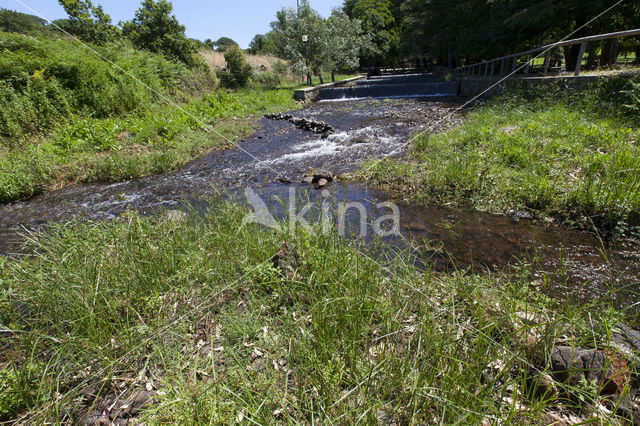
{"type": "Point", "coordinates": [273, 161]}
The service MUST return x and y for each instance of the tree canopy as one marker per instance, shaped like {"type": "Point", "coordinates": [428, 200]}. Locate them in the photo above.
{"type": "Point", "coordinates": [154, 28]}
{"type": "Point", "coordinates": [87, 21]}
{"type": "Point", "coordinates": [313, 44]}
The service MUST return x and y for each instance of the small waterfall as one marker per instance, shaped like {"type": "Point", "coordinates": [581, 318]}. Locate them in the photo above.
{"type": "Point", "coordinates": [390, 86]}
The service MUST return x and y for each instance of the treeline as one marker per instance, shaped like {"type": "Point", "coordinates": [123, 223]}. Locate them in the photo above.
{"type": "Point", "coordinates": [451, 33]}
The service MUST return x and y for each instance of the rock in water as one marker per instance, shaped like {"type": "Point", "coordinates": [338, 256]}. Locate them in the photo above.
{"type": "Point", "coordinates": [322, 174]}
{"type": "Point", "coordinates": [322, 183]}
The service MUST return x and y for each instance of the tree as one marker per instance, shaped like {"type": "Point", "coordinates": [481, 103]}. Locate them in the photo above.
{"type": "Point", "coordinates": [154, 28]}
{"type": "Point", "coordinates": [88, 22]}
{"type": "Point", "coordinates": [225, 43]}
{"type": "Point", "coordinates": [210, 44]}
{"type": "Point", "coordinates": [313, 44]}
{"type": "Point", "coordinates": [379, 22]}
{"type": "Point", "coordinates": [16, 22]}
{"type": "Point", "coordinates": [344, 41]}
{"type": "Point", "coordinates": [238, 71]}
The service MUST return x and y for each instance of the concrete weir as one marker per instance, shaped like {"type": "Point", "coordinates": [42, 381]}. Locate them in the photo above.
{"type": "Point", "coordinates": [385, 86]}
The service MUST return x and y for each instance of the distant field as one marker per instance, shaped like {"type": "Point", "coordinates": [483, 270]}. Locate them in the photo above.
{"type": "Point", "coordinates": [216, 60]}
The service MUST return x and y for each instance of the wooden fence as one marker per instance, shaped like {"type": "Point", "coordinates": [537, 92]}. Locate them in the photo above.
{"type": "Point", "coordinates": [509, 64]}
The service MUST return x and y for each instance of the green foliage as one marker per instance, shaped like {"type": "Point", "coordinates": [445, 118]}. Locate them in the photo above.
{"type": "Point", "coordinates": [44, 81]}
{"type": "Point", "coordinates": [483, 29]}
{"type": "Point", "coordinates": [332, 44]}
{"type": "Point", "coordinates": [225, 43]}
{"type": "Point", "coordinates": [238, 71]}
{"type": "Point", "coordinates": [381, 24]}
{"type": "Point", "coordinates": [18, 389]}
{"type": "Point", "coordinates": [154, 28]}
{"type": "Point", "coordinates": [16, 22]}
{"type": "Point", "coordinates": [268, 79]}
{"type": "Point", "coordinates": [88, 22]}
{"type": "Point", "coordinates": [263, 45]}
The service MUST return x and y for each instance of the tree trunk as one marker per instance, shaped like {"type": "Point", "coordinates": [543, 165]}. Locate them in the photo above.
{"type": "Point", "coordinates": [333, 76]}
{"type": "Point", "coordinates": [320, 76]}
{"type": "Point", "coordinates": [592, 59]}
{"type": "Point", "coordinates": [571, 57]}
{"type": "Point", "coordinates": [637, 55]}
{"type": "Point", "coordinates": [605, 56]}
{"type": "Point", "coordinates": [571, 52]}
{"type": "Point", "coordinates": [309, 79]}
{"type": "Point", "coordinates": [614, 53]}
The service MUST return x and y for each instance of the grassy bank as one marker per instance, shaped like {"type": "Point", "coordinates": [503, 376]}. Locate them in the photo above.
{"type": "Point", "coordinates": [68, 116]}
{"type": "Point", "coordinates": [569, 155]}
{"type": "Point", "coordinates": [195, 314]}
{"type": "Point", "coordinates": [161, 139]}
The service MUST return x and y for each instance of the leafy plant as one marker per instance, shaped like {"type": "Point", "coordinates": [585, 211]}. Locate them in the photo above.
{"type": "Point", "coordinates": [238, 71]}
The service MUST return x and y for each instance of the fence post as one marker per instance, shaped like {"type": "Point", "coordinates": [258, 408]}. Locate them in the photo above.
{"type": "Point", "coordinates": [515, 64]}
{"type": "Point", "coordinates": [492, 68]}
{"type": "Point", "coordinates": [528, 64]}
{"type": "Point", "coordinates": [547, 61]}
{"type": "Point", "coordinates": [583, 47]}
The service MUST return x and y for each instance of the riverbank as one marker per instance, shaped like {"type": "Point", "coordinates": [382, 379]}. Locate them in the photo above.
{"type": "Point", "coordinates": [122, 148]}
{"type": "Point", "coordinates": [572, 156]}
{"type": "Point", "coordinates": [182, 317]}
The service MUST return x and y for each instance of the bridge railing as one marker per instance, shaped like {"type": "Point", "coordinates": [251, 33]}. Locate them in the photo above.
{"type": "Point", "coordinates": [509, 64]}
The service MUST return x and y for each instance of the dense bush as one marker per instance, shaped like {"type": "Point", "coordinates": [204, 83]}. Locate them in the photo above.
{"type": "Point", "coordinates": [44, 80]}
{"type": "Point", "coordinates": [238, 71]}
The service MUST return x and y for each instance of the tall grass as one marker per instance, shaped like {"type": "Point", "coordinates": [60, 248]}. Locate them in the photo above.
{"type": "Point", "coordinates": [196, 312]}
{"type": "Point", "coordinates": [569, 155]}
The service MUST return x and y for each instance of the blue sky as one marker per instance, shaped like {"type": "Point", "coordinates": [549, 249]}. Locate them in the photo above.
{"type": "Point", "coordinates": [238, 19]}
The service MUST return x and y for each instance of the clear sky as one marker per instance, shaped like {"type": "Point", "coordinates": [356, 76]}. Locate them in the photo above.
{"type": "Point", "coordinates": [238, 19]}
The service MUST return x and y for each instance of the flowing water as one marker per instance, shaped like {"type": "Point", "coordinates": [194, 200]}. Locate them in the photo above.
{"type": "Point", "coordinates": [273, 161]}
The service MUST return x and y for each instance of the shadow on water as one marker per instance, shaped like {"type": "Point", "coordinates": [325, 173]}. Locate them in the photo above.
{"type": "Point", "coordinates": [570, 262]}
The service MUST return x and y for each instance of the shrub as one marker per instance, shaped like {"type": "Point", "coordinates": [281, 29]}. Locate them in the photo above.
{"type": "Point", "coordinates": [44, 80]}
{"type": "Point", "coordinates": [280, 68]}
{"type": "Point", "coordinates": [239, 72]}
{"type": "Point", "coordinates": [268, 79]}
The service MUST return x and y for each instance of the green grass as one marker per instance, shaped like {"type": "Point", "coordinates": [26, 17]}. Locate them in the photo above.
{"type": "Point", "coordinates": [196, 312]}
{"type": "Point", "coordinates": [567, 155]}
{"type": "Point", "coordinates": [113, 149]}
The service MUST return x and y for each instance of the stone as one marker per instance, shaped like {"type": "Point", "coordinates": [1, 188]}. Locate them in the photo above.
{"type": "Point", "coordinates": [571, 365]}
{"type": "Point", "coordinates": [627, 337]}
{"type": "Point", "coordinates": [322, 174]}
{"type": "Point", "coordinates": [307, 179]}
{"type": "Point", "coordinates": [287, 258]}
{"type": "Point", "coordinates": [321, 183]}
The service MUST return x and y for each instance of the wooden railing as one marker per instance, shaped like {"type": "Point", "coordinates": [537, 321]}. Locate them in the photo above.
{"type": "Point", "coordinates": [509, 64]}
